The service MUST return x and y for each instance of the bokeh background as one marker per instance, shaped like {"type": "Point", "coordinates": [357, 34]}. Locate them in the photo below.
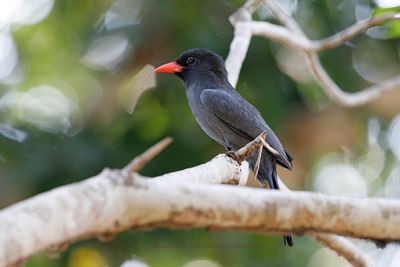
{"type": "Point", "coordinates": [72, 71]}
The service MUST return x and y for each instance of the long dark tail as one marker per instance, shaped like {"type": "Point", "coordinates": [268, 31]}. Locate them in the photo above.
{"type": "Point", "coordinates": [288, 240]}
{"type": "Point", "coordinates": [267, 173]}
{"type": "Point", "coordinates": [273, 184]}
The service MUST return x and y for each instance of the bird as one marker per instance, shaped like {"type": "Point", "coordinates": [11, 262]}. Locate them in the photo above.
{"type": "Point", "coordinates": [224, 115]}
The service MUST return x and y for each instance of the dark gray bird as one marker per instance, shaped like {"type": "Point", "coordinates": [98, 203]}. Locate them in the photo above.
{"type": "Point", "coordinates": [224, 114]}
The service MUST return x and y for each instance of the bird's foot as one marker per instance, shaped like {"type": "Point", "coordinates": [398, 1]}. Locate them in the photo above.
{"type": "Point", "coordinates": [234, 156]}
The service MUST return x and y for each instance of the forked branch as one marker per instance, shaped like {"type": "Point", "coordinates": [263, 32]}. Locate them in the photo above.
{"type": "Point", "coordinates": [291, 34]}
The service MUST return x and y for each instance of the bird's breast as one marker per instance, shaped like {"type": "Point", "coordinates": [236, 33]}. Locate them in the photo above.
{"type": "Point", "coordinates": [208, 122]}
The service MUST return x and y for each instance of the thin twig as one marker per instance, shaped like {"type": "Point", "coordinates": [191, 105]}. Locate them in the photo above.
{"type": "Point", "coordinates": [269, 147]}
{"type": "Point", "coordinates": [342, 98]}
{"type": "Point", "coordinates": [251, 5]}
{"type": "Point", "coordinates": [352, 31]}
{"type": "Point", "coordinates": [140, 161]}
{"type": "Point", "coordinates": [343, 247]}
{"type": "Point", "coordinates": [248, 149]}
{"type": "Point", "coordinates": [257, 164]}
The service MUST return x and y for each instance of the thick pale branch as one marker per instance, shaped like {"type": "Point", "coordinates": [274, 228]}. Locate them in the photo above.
{"type": "Point", "coordinates": [110, 203]}
{"type": "Point", "coordinates": [342, 246]}
{"type": "Point", "coordinates": [221, 170]}
{"type": "Point", "coordinates": [237, 54]}
{"type": "Point", "coordinates": [98, 196]}
{"type": "Point", "coordinates": [201, 174]}
{"type": "Point", "coordinates": [241, 40]}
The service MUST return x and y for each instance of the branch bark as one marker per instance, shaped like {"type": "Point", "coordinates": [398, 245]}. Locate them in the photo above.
{"type": "Point", "coordinates": [108, 198]}
{"type": "Point", "coordinates": [291, 34]}
{"type": "Point", "coordinates": [113, 202]}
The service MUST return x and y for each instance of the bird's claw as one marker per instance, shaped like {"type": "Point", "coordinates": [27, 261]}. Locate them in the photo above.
{"type": "Point", "coordinates": [234, 156]}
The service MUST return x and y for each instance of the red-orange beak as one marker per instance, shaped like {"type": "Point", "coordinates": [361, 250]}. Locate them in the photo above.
{"type": "Point", "coordinates": [169, 67]}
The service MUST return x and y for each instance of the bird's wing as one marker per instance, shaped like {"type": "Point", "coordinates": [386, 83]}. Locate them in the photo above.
{"type": "Point", "coordinates": [242, 118]}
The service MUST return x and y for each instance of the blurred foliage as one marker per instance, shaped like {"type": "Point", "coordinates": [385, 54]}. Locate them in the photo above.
{"type": "Point", "coordinates": [393, 26]}
{"type": "Point", "coordinates": [62, 118]}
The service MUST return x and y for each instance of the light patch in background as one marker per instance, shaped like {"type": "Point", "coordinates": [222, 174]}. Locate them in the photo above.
{"type": "Point", "coordinates": [398, 49]}
{"type": "Point", "coordinates": [107, 52]}
{"type": "Point", "coordinates": [15, 77]}
{"type": "Point", "coordinates": [289, 5]}
{"type": "Point", "coordinates": [387, 3]}
{"type": "Point", "coordinates": [8, 55]}
{"type": "Point", "coordinates": [375, 61]}
{"type": "Point", "coordinates": [43, 107]}
{"type": "Point", "coordinates": [393, 136]}
{"type": "Point", "coordinates": [17, 13]}
{"type": "Point", "coordinates": [130, 91]}
{"type": "Point", "coordinates": [392, 185]}
{"type": "Point", "coordinates": [338, 178]}
{"type": "Point", "coordinates": [377, 32]}
{"type": "Point", "coordinates": [23, 12]}
{"type": "Point", "coordinates": [387, 257]}
{"type": "Point", "coordinates": [325, 257]}
{"type": "Point", "coordinates": [395, 262]}
{"type": "Point", "coordinates": [363, 12]}
{"type": "Point", "coordinates": [88, 94]}
{"type": "Point", "coordinates": [292, 63]}
{"type": "Point", "coordinates": [374, 129]}
{"type": "Point", "coordinates": [134, 263]}
{"type": "Point", "coordinates": [12, 133]}
{"type": "Point", "coordinates": [201, 263]}
{"type": "Point", "coordinates": [371, 164]}
{"type": "Point", "coordinates": [123, 13]}
{"type": "Point", "coordinates": [342, 12]}
{"type": "Point", "coordinates": [381, 257]}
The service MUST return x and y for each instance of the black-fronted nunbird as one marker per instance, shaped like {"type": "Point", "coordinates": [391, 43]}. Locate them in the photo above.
{"type": "Point", "coordinates": [224, 114]}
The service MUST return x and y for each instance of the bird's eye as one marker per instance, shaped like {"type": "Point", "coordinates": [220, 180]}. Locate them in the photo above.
{"type": "Point", "coordinates": [191, 61]}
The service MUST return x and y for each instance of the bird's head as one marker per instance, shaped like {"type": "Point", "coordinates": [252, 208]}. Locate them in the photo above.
{"type": "Point", "coordinates": [198, 66]}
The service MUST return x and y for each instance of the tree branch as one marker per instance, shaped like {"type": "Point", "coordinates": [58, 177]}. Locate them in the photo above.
{"type": "Point", "coordinates": [140, 161]}
{"type": "Point", "coordinates": [291, 34]}
{"type": "Point", "coordinates": [342, 246]}
{"type": "Point", "coordinates": [352, 31]}
{"type": "Point", "coordinates": [111, 202]}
